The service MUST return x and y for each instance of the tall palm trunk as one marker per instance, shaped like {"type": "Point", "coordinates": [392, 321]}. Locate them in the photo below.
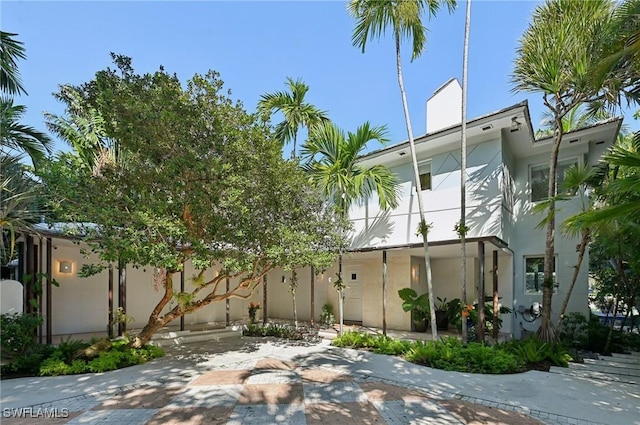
{"type": "Point", "coordinates": [463, 171]}
{"type": "Point", "coordinates": [547, 332]}
{"type": "Point", "coordinates": [582, 248]}
{"type": "Point", "coordinates": [416, 172]}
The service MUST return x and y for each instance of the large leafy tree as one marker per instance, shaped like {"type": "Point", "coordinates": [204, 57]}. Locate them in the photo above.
{"type": "Point", "coordinates": [404, 20]}
{"type": "Point", "coordinates": [203, 183]}
{"type": "Point", "coordinates": [296, 111]}
{"type": "Point", "coordinates": [333, 167]}
{"type": "Point", "coordinates": [558, 56]}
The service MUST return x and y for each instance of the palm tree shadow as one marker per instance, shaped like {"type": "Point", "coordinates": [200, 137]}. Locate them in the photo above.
{"type": "Point", "coordinates": [380, 228]}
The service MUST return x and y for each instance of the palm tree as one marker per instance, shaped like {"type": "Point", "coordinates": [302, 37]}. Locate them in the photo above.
{"type": "Point", "coordinates": [403, 18]}
{"type": "Point", "coordinates": [10, 51]}
{"type": "Point", "coordinates": [558, 56]}
{"type": "Point", "coordinates": [19, 194]}
{"type": "Point", "coordinates": [83, 128]}
{"type": "Point", "coordinates": [333, 167]}
{"type": "Point", "coordinates": [19, 137]}
{"type": "Point", "coordinates": [622, 193]}
{"type": "Point", "coordinates": [13, 135]}
{"type": "Point", "coordinates": [297, 113]}
{"type": "Point", "coordinates": [462, 228]}
{"type": "Point", "coordinates": [575, 119]}
{"type": "Point", "coordinates": [578, 181]}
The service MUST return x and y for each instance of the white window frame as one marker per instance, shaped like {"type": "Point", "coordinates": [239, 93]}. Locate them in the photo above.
{"type": "Point", "coordinates": [424, 167]}
{"type": "Point", "coordinates": [541, 274]}
{"type": "Point", "coordinates": [571, 161]}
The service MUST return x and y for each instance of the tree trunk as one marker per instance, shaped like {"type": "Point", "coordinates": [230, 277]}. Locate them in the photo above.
{"type": "Point", "coordinates": [422, 222]}
{"type": "Point", "coordinates": [586, 235]}
{"type": "Point", "coordinates": [547, 332]}
{"type": "Point", "coordinates": [340, 293]}
{"type": "Point", "coordinates": [294, 284]}
{"type": "Point", "coordinates": [463, 172]}
{"type": "Point", "coordinates": [149, 331]}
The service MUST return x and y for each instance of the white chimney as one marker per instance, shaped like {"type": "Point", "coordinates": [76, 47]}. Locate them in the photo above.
{"type": "Point", "coordinates": [444, 107]}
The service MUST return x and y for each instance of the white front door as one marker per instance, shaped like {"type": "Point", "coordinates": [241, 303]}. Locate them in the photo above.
{"type": "Point", "coordinates": [353, 296]}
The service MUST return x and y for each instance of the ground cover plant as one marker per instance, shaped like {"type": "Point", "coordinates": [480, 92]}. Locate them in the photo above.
{"type": "Point", "coordinates": [28, 358]}
{"type": "Point", "coordinates": [450, 354]}
{"type": "Point", "coordinates": [296, 333]}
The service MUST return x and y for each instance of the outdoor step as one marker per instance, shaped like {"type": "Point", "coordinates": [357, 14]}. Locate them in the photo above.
{"type": "Point", "coordinates": [188, 337]}
{"type": "Point", "coordinates": [613, 362]}
{"type": "Point", "coordinates": [589, 374]}
{"type": "Point", "coordinates": [605, 369]}
{"type": "Point", "coordinates": [634, 357]}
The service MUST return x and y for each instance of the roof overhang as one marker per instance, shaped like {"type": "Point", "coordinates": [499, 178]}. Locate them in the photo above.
{"type": "Point", "coordinates": [515, 118]}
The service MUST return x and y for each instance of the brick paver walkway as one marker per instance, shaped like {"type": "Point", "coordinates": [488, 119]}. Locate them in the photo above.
{"type": "Point", "coordinates": [273, 391]}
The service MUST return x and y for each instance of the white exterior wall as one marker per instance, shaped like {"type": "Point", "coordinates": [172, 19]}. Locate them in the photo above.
{"type": "Point", "coordinates": [374, 228]}
{"type": "Point", "coordinates": [529, 241]}
{"type": "Point", "coordinates": [443, 108]}
{"type": "Point", "coordinates": [11, 294]}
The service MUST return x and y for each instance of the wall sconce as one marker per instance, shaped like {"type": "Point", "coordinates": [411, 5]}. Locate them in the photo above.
{"type": "Point", "coordinates": [65, 267]}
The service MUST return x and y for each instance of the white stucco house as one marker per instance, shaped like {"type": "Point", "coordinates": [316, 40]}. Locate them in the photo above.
{"type": "Point", "coordinates": [506, 173]}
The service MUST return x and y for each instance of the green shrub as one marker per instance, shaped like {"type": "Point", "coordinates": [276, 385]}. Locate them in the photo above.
{"type": "Point", "coordinates": [69, 347]}
{"type": "Point", "coordinates": [422, 352]}
{"type": "Point", "coordinates": [54, 367]}
{"type": "Point", "coordinates": [533, 351]}
{"type": "Point", "coordinates": [574, 331]}
{"type": "Point", "coordinates": [29, 363]}
{"type": "Point", "coordinates": [390, 346]}
{"type": "Point", "coordinates": [18, 332]}
{"type": "Point", "coordinates": [275, 330]}
{"type": "Point", "coordinates": [50, 361]}
{"type": "Point", "coordinates": [327, 316]}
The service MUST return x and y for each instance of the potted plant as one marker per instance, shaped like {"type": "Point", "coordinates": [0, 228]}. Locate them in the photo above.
{"type": "Point", "coordinates": [442, 314]}
{"type": "Point", "coordinates": [418, 305]}
{"type": "Point", "coordinates": [253, 310]}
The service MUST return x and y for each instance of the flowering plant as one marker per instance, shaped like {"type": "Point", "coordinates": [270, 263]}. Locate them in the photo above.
{"type": "Point", "coordinates": [466, 310]}
{"type": "Point", "coordinates": [253, 309]}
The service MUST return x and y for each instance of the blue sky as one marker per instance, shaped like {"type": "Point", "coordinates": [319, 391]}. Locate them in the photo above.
{"type": "Point", "coordinates": [256, 45]}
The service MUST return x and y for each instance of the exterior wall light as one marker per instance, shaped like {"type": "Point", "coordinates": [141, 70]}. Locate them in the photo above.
{"type": "Point", "coordinates": [65, 267]}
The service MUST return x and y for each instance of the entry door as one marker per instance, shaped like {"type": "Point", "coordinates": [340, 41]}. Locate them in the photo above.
{"type": "Point", "coordinates": [353, 296]}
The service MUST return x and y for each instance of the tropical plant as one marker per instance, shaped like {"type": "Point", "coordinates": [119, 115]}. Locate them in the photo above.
{"type": "Point", "coordinates": [19, 193]}
{"type": "Point", "coordinates": [13, 134]}
{"type": "Point", "coordinates": [297, 113]}
{"type": "Point", "coordinates": [404, 20]}
{"type": "Point", "coordinates": [418, 305]}
{"type": "Point", "coordinates": [83, 128]}
{"type": "Point", "coordinates": [10, 51]}
{"type": "Point", "coordinates": [19, 137]}
{"type": "Point", "coordinates": [578, 182]}
{"type": "Point", "coordinates": [332, 165]}
{"type": "Point", "coordinates": [327, 317]}
{"type": "Point", "coordinates": [558, 56]}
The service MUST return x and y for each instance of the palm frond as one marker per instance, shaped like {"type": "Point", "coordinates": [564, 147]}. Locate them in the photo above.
{"type": "Point", "coordinates": [10, 51]}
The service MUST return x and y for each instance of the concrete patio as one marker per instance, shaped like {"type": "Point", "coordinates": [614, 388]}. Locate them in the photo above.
{"type": "Point", "coordinates": [238, 380]}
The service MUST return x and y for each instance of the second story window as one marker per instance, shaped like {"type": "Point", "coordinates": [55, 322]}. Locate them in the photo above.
{"type": "Point", "coordinates": [425, 176]}
{"type": "Point", "coordinates": [539, 178]}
